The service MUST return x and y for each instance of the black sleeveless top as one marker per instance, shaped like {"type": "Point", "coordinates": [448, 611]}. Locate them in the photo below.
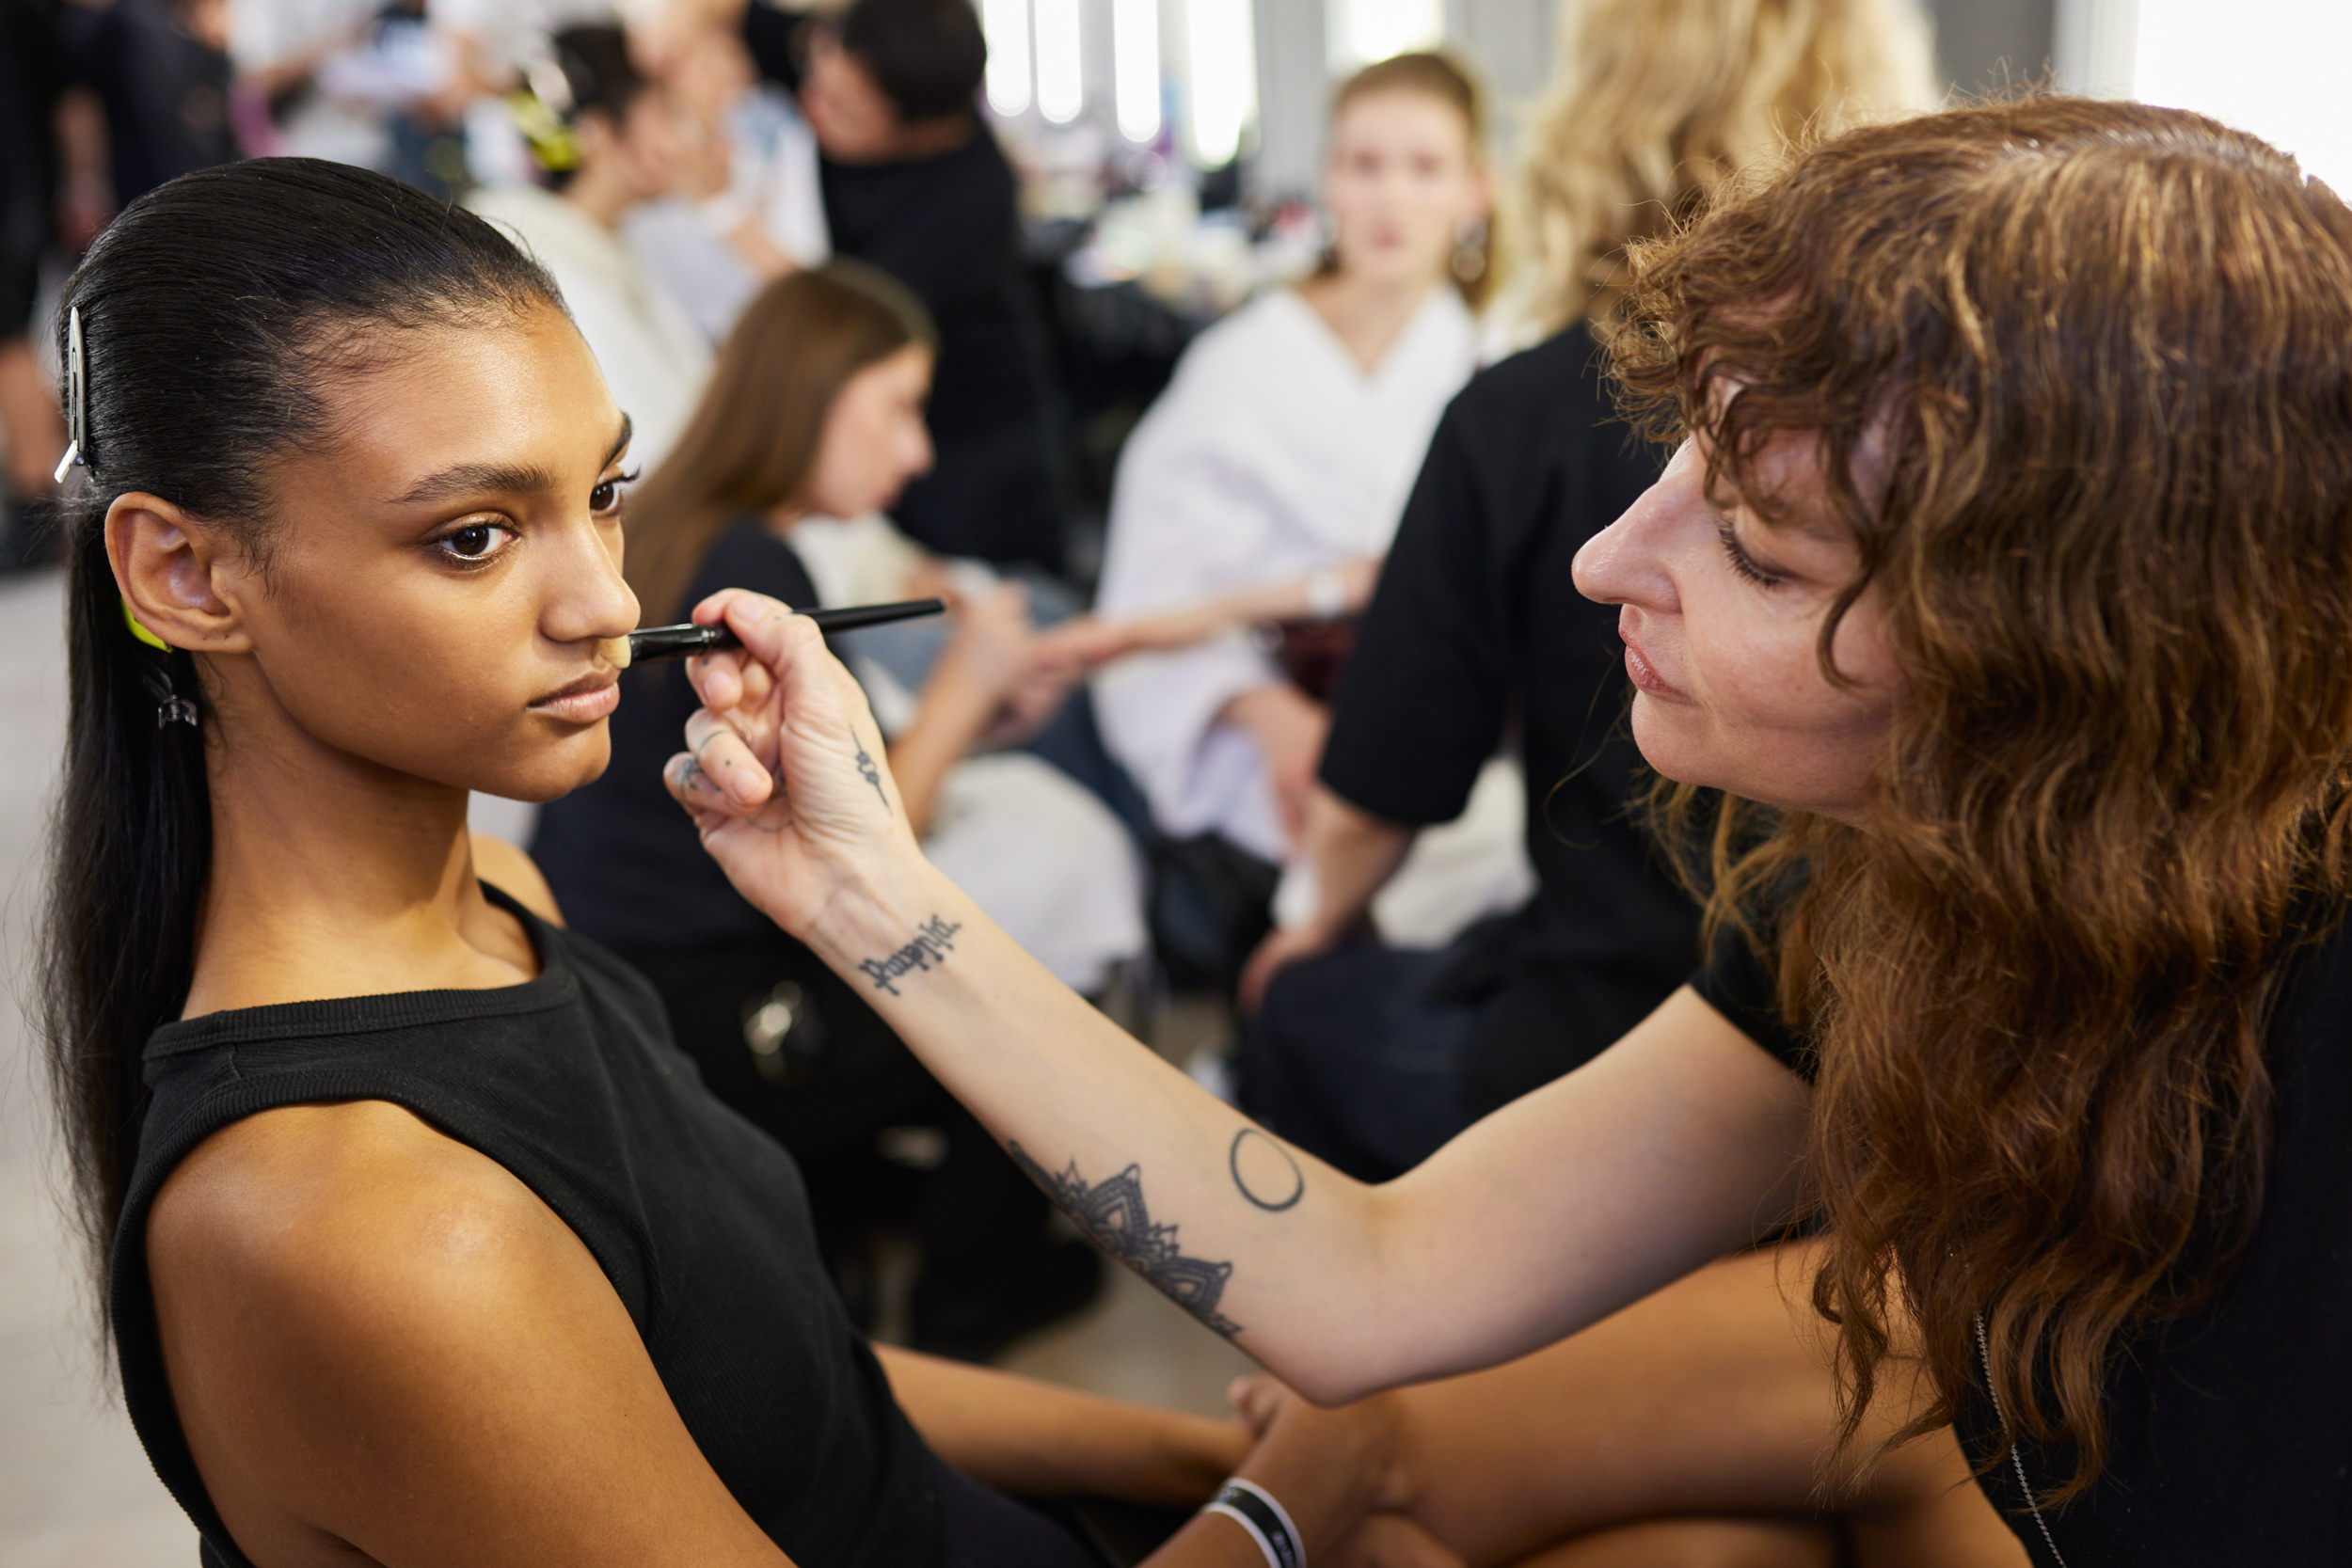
{"type": "Point", "coordinates": [2228, 1430]}
{"type": "Point", "coordinates": [571, 1082]}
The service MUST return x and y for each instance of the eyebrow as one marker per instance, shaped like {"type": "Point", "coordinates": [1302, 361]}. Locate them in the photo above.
{"type": "Point", "coordinates": [474, 478]}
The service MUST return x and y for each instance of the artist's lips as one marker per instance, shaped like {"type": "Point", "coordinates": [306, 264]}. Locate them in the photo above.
{"type": "Point", "coordinates": [591, 697]}
{"type": "Point", "coordinates": [1645, 674]}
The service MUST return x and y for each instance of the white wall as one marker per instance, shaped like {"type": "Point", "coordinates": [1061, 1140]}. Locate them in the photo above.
{"type": "Point", "coordinates": [2274, 67]}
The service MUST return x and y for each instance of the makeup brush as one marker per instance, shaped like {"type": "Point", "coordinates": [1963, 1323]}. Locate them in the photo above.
{"type": "Point", "coordinates": [651, 643]}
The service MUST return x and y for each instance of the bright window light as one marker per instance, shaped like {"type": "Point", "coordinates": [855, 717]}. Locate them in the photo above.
{"type": "Point", "coordinates": [1136, 67]}
{"type": "Point", "coordinates": [1363, 31]}
{"type": "Point", "coordinates": [1006, 24]}
{"type": "Point", "coordinates": [1060, 61]}
{"type": "Point", "coordinates": [2271, 67]}
{"type": "Point", "coordinates": [1221, 48]}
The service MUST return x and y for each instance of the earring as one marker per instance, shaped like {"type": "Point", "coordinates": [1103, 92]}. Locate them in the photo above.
{"type": "Point", "coordinates": [1470, 251]}
{"type": "Point", "coordinates": [171, 707]}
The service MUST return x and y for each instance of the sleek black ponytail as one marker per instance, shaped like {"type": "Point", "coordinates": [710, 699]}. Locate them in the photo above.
{"type": "Point", "coordinates": [212, 313]}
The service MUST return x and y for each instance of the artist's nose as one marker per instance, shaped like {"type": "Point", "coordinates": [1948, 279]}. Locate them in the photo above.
{"type": "Point", "coordinates": [1626, 562]}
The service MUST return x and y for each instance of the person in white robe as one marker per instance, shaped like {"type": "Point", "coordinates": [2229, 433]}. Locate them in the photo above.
{"type": "Point", "coordinates": [1267, 481]}
{"type": "Point", "coordinates": [1272, 456]}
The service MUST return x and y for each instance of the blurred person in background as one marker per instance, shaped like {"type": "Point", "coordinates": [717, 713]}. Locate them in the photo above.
{"type": "Point", "coordinates": [1278, 459]}
{"type": "Point", "coordinates": [813, 416]}
{"type": "Point", "coordinates": [357, 82]}
{"type": "Point", "coordinates": [493, 48]}
{"type": "Point", "coordinates": [1373, 1055]}
{"type": "Point", "coordinates": [709, 243]}
{"type": "Point", "coordinates": [161, 69]}
{"type": "Point", "coordinates": [621, 139]}
{"type": "Point", "coordinates": [282, 50]}
{"type": "Point", "coordinates": [32, 430]}
{"type": "Point", "coordinates": [915, 185]}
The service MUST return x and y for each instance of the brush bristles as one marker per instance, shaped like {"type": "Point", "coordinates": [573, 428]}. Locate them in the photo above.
{"type": "Point", "coordinates": [615, 651]}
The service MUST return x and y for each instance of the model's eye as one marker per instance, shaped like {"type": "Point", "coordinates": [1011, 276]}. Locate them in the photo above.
{"type": "Point", "coordinates": [476, 543]}
{"type": "Point", "coordinates": [607, 496]}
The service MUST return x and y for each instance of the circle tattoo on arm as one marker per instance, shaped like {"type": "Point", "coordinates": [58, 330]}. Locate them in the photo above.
{"type": "Point", "coordinates": [1264, 1171]}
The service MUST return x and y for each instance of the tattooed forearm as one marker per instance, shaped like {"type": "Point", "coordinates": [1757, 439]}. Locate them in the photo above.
{"type": "Point", "coordinates": [868, 770]}
{"type": "Point", "coordinates": [1113, 1213]}
{"type": "Point", "coordinates": [933, 940]}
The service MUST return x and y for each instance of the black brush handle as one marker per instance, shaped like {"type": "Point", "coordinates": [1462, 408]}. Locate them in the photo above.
{"type": "Point", "coordinates": [651, 642]}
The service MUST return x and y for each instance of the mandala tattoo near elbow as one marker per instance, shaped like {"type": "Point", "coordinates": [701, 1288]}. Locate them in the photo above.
{"type": "Point", "coordinates": [1113, 1212]}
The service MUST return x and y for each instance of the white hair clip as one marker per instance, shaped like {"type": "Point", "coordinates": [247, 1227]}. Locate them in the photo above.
{"type": "Point", "coordinates": [76, 398]}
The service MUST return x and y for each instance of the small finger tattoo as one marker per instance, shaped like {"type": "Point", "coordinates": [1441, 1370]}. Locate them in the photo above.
{"type": "Point", "coordinates": [868, 770]}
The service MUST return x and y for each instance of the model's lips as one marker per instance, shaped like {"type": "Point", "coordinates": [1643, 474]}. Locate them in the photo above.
{"type": "Point", "coordinates": [1645, 674]}
{"type": "Point", "coordinates": [591, 697]}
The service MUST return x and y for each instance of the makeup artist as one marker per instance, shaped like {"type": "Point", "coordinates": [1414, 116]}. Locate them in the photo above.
{"type": "Point", "coordinates": [1994, 605]}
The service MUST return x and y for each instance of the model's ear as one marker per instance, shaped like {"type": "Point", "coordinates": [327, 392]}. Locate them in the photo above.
{"type": "Point", "coordinates": [178, 575]}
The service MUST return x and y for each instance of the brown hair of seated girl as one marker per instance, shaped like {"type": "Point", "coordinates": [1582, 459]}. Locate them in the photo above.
{"type": "Point", "coordinates": [754, 440]}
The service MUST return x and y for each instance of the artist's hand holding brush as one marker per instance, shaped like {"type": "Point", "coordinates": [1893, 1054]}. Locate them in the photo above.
{"type": "Point", "coordinates": [784, 772]}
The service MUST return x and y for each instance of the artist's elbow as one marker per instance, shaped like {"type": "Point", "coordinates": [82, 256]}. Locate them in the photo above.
{"type": "Point", "coordinates": [1334, 1386]}
{"type": "Point", "coordinates": [1334, 1370]}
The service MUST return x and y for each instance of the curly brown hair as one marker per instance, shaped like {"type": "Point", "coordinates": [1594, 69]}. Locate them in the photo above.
{"type": "Point", "coordinates": [2114, 346]}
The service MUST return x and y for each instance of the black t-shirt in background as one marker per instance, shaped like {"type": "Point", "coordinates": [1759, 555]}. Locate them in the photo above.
{"type": "Point", "coordinates": [947, 227]}
{"type": "Point", "coordinates": [2229, 1431]}
{"type": "Point", "coordinates": [1477, 620]}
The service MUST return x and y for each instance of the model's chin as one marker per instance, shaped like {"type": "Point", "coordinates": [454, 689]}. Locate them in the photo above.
{"type": "Point", "coordinates": [554, 771]}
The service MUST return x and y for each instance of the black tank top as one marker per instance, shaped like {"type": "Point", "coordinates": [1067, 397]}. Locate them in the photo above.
{"type": "Point", "coordinates": [699, 1220]}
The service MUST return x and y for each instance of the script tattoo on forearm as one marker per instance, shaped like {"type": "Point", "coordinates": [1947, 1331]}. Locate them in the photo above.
{"type": "Point", "coordinates": [933, 940]}
{"type": "Point", "coordinates": [1113, 1212]}
{"type": "Point", "coordinates": [867, 769]}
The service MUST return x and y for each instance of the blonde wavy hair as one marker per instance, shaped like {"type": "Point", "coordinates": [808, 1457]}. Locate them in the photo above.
{"type": "Point", "coordinates": [1656, 103]}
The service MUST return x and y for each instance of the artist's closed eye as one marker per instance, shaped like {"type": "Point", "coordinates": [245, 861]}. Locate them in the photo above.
{"type": "Point", "coordinates": [1742, 563]}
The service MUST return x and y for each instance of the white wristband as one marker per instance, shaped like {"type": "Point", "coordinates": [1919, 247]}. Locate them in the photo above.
{"type": "Point", "coordinates": [1253, 1508]}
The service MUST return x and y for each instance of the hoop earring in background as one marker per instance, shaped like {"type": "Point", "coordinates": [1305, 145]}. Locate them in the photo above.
{"type": "Point", "coordinates": [1470, 251]}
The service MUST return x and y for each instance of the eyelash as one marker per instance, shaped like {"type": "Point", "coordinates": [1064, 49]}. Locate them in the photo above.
{"type": "Point", "coordinates": [1742, 563]}
{"type": "Point", "coordinates": [619, 484]}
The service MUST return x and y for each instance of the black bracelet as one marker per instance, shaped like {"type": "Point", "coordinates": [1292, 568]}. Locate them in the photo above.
{"type": "Point", "coordinates": [1253, 1508]}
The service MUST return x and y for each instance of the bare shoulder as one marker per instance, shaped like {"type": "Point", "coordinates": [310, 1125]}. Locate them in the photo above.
{"type": "Point", "coordinates": [506, 867]}
{"type": "Point", "coordinates": [380, 1339]}
{"type": "Point", "coordinates": [303, 1196]}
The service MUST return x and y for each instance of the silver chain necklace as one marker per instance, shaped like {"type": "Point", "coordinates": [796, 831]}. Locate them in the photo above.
{"type": "Point", "coordinates": [1984, 1353]}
